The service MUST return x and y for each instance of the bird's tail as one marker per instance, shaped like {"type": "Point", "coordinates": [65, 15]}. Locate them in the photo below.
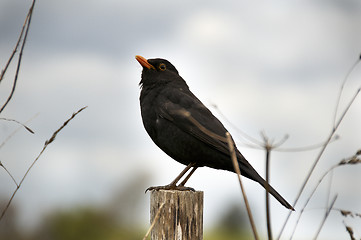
{"type": "Point", "coordinates": [271, 190]}
{"type": "Point", "coordinates": [248, 171]}
{"type": "Point", "coordinates": [276, 195]}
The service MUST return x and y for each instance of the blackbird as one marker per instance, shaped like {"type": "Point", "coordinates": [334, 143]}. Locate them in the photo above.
{"type": "Point", "coordinates": [186, 130]}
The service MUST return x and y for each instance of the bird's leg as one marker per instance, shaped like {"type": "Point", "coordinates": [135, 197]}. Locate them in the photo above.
{"type": "Point", "coordinates": [173, 184]}
{"type": "Point", "coordinates": [188, 176]}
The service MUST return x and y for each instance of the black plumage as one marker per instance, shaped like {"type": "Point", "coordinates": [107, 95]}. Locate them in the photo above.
{"type": "Point", "coordinates": [180, 125]}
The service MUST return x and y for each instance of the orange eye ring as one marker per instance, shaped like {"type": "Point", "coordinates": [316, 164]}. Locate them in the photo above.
{"type": "Point", "coordinates": [162, 67]}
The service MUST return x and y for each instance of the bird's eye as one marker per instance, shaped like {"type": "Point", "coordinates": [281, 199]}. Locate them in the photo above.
{"type": "Point", "coordinates": [162, 67]}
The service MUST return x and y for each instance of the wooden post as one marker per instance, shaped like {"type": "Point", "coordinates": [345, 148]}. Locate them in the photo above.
{"type": "Point", "coordinates": [180, 217]}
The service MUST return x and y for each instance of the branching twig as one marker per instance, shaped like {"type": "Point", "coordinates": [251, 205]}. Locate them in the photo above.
{"type": "Point", "coordinates": [253, 141]}
{"type": "Point", "coordinates": [256, 144]}
{"type": "Point", "coordinates": [306, 148]}
{"type": "Point", "coordinates": [352, 160]}
{"type": "Point", "coordinates": [2, 74]}
{"type": "Point", "coordinates": [46, 144]}
{"type": "Point", "coordinates": [268, 148]}
{"type": "Point", "coordinates": [1, 165]}
{"type": "Point", "coordinates": [330, 137]}
{"type": "Point", "coordinates": [27, 23]}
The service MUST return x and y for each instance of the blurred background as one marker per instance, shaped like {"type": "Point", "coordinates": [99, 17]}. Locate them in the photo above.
{"type": "Point", "coordinates": [268, 66]}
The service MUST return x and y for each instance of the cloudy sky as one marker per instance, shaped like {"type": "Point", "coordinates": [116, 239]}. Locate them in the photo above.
{"type": "Point", "coordinates": [272, 66]}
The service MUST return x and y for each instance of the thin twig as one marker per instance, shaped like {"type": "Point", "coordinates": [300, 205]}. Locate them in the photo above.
{"type": "Point", "coordinates": [329, 189]}
{"type": "Point", "coordinates": [1, 165]}
{"type": "Point", "coordinates": [306, 148]}
{"type": "Point", "coordinates": [254, 142]}
{"type": "Point", "coordinates": [228, 139]}
{"type": "Point", "coordinates": [333, 131]}
{"type": "Point", "coordinates": [2, 74]}
{"type": "Point", "coordinates": [46, 144]}
{"type": "Point", "coordinates": [16, 130]}
{"type": "Point", "coordinates": [342, 87]}
{"type": "Point", "coordinates": [157, 215]}
{"type": "Point", "coordinates": [237, 169]}
{"type": "Point", "coordinates": [28, 18]}
{"type": "Point", "coordinates": [13, 120]}
{"type": "Point", "coordinates": [268, 210]}
{"type": "Point", "coordinates": [268, 147]}
{"type": "Point", "coordinates": [325, 217]}
{"type": "Point", "coordinates": [351, 160]}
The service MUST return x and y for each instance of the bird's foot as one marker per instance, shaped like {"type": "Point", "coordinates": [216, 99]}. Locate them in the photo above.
{"type": "Point", "coordinates": [170, 187]}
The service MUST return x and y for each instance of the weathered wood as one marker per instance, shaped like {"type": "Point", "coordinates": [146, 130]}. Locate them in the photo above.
{"type": "Point", "coordinates": [181, 216]}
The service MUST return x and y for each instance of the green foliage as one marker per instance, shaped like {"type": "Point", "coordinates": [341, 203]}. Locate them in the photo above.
{"type": "Point", "coordinates": [233, 224]}
{"type": "Point", "coordinates": [81, 224]}
{"type": "Point", "coordinates": [85, 224]}
{"type": "Point", "coordinates": [226, 234]}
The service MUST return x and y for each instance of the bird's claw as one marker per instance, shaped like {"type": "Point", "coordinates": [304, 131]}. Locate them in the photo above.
{"type": "Point", "coordinates": [170, 187]}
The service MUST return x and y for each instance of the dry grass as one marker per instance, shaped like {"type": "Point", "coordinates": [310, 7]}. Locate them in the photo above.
{"type": "Point", "coordinates": [46, 144]}
{"type": "Point", "coordinates": [21, 42]}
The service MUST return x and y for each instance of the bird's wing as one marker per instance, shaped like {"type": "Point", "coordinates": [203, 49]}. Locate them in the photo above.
{"type": "Point", "coordinates": [189, 114]}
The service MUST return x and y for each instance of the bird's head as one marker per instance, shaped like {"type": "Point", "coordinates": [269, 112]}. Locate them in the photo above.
{"type": "Point", "coordinates": [156, 71]}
